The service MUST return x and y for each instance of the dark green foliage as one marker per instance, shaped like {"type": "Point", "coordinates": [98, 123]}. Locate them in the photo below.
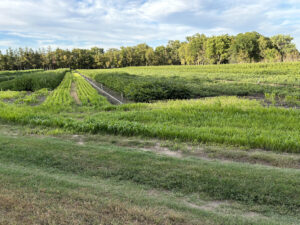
{"type": "Point", "coordinates": [6, 78]}
{"type": "Point", "coordinates": [10, 75]}
{"type": "Point", "coordinates": [149, 88]}
{"type": "Point", "coordinates": [197, 49]}
{"type": "Point", "coordinates": [34, 81]}
{"type": "Point", "coordinates": [158, 90]}
{"type": "Point", "coordinates": [245, 47]}
{"type": "Point", "coordinates": [144, 89]}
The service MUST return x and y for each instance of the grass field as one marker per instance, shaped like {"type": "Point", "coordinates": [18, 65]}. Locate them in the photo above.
{"type": "Point", "coordinates": [280, 79]}
{"type": "Point", "coordinates": [223, 159]}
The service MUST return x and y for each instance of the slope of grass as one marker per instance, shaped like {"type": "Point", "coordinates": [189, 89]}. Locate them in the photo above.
{"type": "Point", "coordinates": [51, 180]}
{"type": "Point", "coordinates": [229, 181]}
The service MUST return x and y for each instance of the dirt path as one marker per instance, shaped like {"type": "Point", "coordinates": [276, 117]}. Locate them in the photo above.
{"type": "Point", "coordinates": [74, 94]}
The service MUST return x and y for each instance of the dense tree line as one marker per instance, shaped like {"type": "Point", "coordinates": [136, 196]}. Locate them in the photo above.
{"type": "Point", "coordinates": [197, 49]}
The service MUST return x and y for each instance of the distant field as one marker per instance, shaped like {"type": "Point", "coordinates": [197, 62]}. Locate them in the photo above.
{"type": "Point", "coordinates": [279, 81]}
{"type": "Point", "coordinates": [227, 158]}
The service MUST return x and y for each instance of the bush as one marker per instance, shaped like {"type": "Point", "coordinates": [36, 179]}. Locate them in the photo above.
{"type": "Point", "coordinates": [144, 89]}
{"type": "Point", "coordinates": [6, 78]}
{"type": "Point", "coordinates": [35, 81]}
{"type": "Point", "coordinates": [157, 90]}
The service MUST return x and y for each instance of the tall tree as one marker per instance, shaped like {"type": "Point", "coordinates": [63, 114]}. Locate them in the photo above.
{"type": "Point", "coordinates": [245, 47]}
{"type": "Point", "coordinates": [198, 49]}
{"type": "Point", "coordinates": [173, 49]}
{"type": "Point", "coordinates": [283, 43]}
{"type": "Point", "coordinates": [217, 49]}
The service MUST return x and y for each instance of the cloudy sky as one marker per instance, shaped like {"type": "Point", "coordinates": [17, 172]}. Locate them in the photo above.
{"type": "Point", "coordinates": [115, 23]}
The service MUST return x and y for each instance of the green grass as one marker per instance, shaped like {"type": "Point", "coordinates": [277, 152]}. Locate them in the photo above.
{"type": "Point", "coordinates": [53, 180]}
{"type": "Point", "coordinates": [237, 161]}
{"type": "Point", "coordinates": [229, 181]}
{"type": "Point", "coordinates": [6, 95]}
{"type": "Point", "coordinates": [33, 98]}
{"type": "Point", "coordinates": [280, 79]}
{"type": "Point", "coordinates": [223, 120]}
{"type": "Point", "coordinates": [61, 97]}
{"type": "Point", "coordinates": [271, 73]}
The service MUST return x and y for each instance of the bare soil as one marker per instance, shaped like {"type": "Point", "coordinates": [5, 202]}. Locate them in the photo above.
{"type": "Point", "coordinates": [74, 94]}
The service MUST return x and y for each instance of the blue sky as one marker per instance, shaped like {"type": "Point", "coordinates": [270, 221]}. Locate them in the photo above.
{"type": "Point", "coordinates": [112, 23]}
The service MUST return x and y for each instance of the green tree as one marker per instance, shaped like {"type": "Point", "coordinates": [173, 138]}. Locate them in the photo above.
{"type": "Point", "coordinates": [173, 49]}
{"type": "Point", "coordinates": [217, 49]}
{"type": "Point", "coordinates": [196, 49]}
{"type": "Point", "coordinates": [245, 48]}
{"type": "Point", "coordinates": [284, 45]}
{"type": "Point", "coordinates": [150, 57]}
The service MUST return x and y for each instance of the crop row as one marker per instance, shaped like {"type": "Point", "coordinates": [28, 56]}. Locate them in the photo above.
{"type": "Point", "coordinates": [61, 95]}
{"type": "Point", "coordinates": [87, 94]}
{"type": "Point", "coordinates": [142, 89]}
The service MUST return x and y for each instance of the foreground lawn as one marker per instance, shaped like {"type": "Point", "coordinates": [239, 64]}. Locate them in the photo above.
{"type": "Point", "coordinates": [59, 181]}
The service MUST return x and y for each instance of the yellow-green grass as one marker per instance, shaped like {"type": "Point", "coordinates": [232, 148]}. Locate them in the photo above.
{"type": "Point", "coordinates": [223, 120]}
{"type": "Point", "coordinates": [272, 73]}
{"type": "Point", "coordinates": [87, 94]}
{"type": "Point", "coordinates": [6, 95]}
{"type": "Point", "coordinates": [61, 96]}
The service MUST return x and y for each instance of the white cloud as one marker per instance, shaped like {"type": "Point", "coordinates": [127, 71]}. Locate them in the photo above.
{"type": "Point", "coordinates": [155, 9]}
{"type": "Point", "coordinates": [110, 23]}
{"type": "Point", "coordinates": [4, 43]}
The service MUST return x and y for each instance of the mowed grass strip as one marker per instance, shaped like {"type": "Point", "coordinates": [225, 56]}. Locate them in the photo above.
{"type": "Point", "coordinates": [31, 195]}
{"type": "Point", "coordinates": [249, 184]}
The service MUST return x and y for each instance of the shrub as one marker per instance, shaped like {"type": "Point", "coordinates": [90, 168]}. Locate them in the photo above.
{"type": "Point", "coordinates": [35, 81]}
{"type": "Point", "coordinates": [144, 89]}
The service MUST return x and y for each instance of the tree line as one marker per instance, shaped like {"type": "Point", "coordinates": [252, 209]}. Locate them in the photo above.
{"type": "Point", "coordinates": [198, 49]}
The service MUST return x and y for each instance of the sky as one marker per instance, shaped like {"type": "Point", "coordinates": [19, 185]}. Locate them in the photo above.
{"type": "Point", "coordinates": [114, 23]}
